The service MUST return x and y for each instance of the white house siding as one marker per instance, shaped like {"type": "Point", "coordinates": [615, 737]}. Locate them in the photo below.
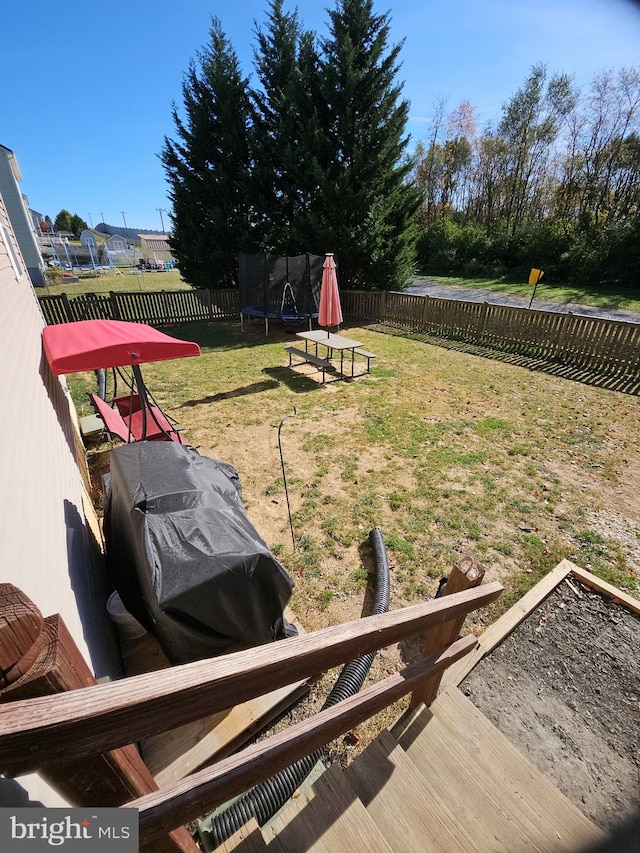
{"type": "Point", "coordinates": [48, 527]}
{"type": "Point", "coordinates": [16, 207]}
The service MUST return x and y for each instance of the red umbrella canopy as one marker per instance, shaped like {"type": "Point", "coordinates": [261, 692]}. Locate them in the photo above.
{"type": "Point", "coordinates": [98, 344]}
{"type": "Point", "coordinates": [330, 312]}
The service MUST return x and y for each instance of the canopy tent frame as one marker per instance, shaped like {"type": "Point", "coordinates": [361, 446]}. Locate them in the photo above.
{"type": "Point", "coordinates": [86, 345]}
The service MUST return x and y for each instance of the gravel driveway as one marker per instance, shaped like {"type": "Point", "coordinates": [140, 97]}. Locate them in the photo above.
{"type": "Point", "coordinates": [425, 287]}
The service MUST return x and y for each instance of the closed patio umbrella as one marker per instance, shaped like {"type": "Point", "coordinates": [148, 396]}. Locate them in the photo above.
{"type": "Point", "coordinates": [330, 312]}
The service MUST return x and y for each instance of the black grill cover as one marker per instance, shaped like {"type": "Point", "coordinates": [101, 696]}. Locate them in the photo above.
{"type": "Point", "coordinates": [184, 556]}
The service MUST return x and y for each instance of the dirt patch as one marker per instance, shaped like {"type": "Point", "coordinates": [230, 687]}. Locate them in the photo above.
{"type": "Point", "coordinates": [621, 530]}
{"type": "Point", "coordinates": [564, 687]}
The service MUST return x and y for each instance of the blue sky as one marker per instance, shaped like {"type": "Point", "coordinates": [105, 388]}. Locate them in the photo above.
{"type": "Point", "coordinates": [86, 94]}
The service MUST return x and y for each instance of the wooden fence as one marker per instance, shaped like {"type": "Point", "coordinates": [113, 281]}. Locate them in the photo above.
{"type": "Point", "coordinates": [158, 308]}
{"type": "Point", "coordinates": [602, 346]}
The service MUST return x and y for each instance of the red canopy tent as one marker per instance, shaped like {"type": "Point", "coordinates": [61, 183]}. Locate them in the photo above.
{"type": "Point", "coordinates": [99, 344]}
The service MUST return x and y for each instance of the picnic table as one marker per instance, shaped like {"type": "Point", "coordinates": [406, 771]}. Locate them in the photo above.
{"type": "Point", "coordinates": [331, 342]}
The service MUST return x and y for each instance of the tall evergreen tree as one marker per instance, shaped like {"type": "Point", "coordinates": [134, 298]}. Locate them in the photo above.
{"type": "Point", "coordinates": [208, 166]}
{"type": "Point", "coordinates": [314, 149]}
{"type": "Point", "coordinates": [78, 225]}
{"type": "Point", "coordinates": [367, 204]}
{"type": "Point", "coordinates": [276, 129]}
{"type": "Point", "coordinates": [63, 220]}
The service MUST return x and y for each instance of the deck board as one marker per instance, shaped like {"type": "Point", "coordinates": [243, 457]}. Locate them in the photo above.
{"type": "Point", "coordinates": [325, 818]}
{"type": "Point", "coordinates": [410, 814]}
{"type": "Point", "coordinates": [471, 749]}
{"type": "Point", "coordinates": [248, 839]}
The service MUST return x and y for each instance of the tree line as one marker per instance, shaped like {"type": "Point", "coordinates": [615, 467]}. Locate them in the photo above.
{"type": "Point", "coordinates": [554, 183]}
{"type": "Point", "coordinates": [311, 157]}
{"type": "Point", "coordinates": [65, 222]}
{"type": "Point", "coordinates": [311, 154]}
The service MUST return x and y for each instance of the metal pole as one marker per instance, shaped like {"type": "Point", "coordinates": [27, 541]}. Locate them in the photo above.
{"type": "Point", "coordinates": [284, 476]}
{"type": "Point", "coordinates": [161, 210]}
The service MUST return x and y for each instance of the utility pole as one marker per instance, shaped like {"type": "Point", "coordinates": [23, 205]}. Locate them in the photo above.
{"type": "Point", "coordinates": [161, 210]}
{"type": "Point", "coordinates": [123, 219]}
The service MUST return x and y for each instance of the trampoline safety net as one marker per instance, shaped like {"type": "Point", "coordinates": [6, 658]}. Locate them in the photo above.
{"type": "Point", "coordinates": [280, 288]}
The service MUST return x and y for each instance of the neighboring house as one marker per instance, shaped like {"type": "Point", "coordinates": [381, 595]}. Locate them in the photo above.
{"type": "Point", "coordinates": [155, 247]}
{"type": "Point", "coordinates": [39, 225]}
{"type": "Point", "coordinates": [50, 541]}
{"type": "Point", "coordinates": [16, 206]}
{"type": "Point", "coordinates": [118, 251]}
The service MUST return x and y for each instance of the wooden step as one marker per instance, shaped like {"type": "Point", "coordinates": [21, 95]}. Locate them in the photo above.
{"type": "Point", "coordinates": [327, 817]}
{"type": "Point", "coordinates": [454, 737]}
{"type": "Point", "coordinates": [494, 751]}
{"type": "Point", "coordinates": [248, 839]}
{"type": "Point", "coordinates": [409, 813]}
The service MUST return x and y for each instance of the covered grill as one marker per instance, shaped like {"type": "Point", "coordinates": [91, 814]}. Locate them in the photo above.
{"type": "Point", "coordinates": [184, 556]}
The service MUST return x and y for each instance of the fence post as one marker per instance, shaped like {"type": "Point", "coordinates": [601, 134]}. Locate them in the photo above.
{"type": "Point", "coordinates": [425, 313]}
{"type": "Point", "coordinates": [67, 308]}
{"type": "Point", "coordinates": [465, 574]}
{"type": "Point", "coordinates": [209, 302]}
{"type": "Point", "coordinates": [382, 309]}
{"type": "Point", "coordinates": [483, 320]}
{"type": "Point", "coordinates": [563, 333]}
{"type": "Point", "coordinates": [115, 309]}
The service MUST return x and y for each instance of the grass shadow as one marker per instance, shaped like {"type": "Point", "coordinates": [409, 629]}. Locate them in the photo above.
{"type": "Point", "coordinates": [296, 382]}
{"type": "Point", "coordinates": [227, 335]}
{"type": "Point", "coordinates": [254, 388]}
{"type": "Point", "coordinates": [623, 383]}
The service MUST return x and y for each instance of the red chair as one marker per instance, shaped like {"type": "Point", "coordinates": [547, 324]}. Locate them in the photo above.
{"type": "Point", "coordinates": [132, 427]}
{"type": "Point", "coordinates": [127, 403]}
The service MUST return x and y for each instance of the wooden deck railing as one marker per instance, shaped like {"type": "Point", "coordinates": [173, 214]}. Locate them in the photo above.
{"type": "Point", "coordinates": [59, 729]}
{"type": "Point", "coordinates": [161, 811]}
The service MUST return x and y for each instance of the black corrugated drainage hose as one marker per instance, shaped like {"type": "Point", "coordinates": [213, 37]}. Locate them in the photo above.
{"type": "Point", "coordinates": [267, 798]}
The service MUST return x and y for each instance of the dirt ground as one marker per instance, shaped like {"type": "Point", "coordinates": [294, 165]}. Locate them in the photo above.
{"type": "Point", "coordinates": [565, 688]}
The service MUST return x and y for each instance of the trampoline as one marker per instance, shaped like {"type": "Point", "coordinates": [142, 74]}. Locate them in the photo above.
{"type": "Point", "coordinates": [280, 288]}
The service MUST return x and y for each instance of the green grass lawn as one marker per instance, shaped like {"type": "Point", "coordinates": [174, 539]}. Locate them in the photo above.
{"type": "Point", "coordinates": [447, 452]}
{"type": "Point", "coordinates": [123, 281]}
{"type": "Point", "coordinates": [626, 299]}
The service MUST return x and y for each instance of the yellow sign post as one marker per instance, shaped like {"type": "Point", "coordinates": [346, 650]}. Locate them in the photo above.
{"type": "Point", "coordinates": [534, 277]}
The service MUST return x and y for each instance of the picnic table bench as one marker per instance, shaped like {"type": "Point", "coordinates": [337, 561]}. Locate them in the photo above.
{"type": "Point", "coordinates": [367, 355]}
{"type": "Point", "coordinates": [322, 364]}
